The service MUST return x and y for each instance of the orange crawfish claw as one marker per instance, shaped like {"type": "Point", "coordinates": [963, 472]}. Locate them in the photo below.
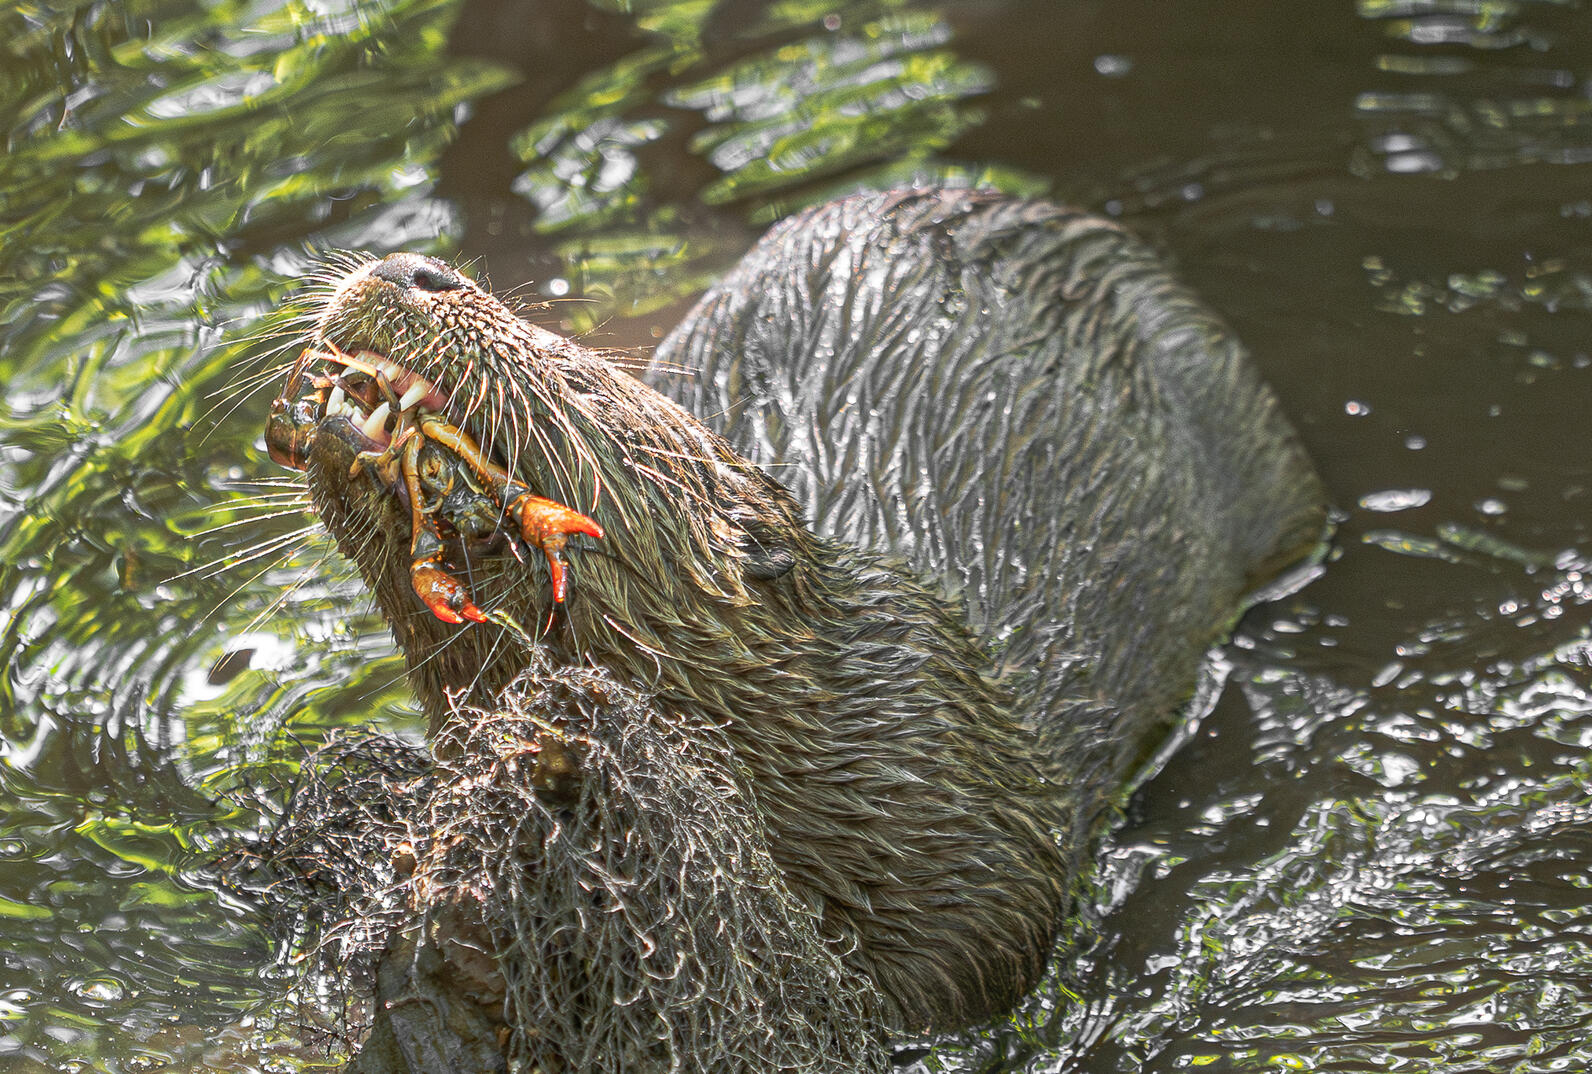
{"type": "Point", "coordinates": [444, 594]}
{"type": "Point", "coordinates": [543, 523]}
{"type": "Point", "coordinates": [547, 525]}
{"type": "Point", "coordinates": [438, 590]}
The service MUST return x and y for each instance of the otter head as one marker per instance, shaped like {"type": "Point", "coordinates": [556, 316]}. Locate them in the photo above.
{"type": "Point", "coordinates": [405, 350]}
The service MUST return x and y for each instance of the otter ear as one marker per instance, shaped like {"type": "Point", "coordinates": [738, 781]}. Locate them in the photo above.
{"type": "Point", "coordinates": [766, 556]}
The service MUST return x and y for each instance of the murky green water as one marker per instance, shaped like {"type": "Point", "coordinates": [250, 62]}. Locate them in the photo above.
{"type": "Point", "coordinates": [1375, 853]}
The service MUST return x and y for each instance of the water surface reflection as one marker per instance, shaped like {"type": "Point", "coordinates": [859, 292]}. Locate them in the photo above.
{"type": "Point", "coordinates": [1372, 854]}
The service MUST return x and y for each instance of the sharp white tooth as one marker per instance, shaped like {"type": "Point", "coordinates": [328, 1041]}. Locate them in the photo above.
{"type": "Point", "coordinates": [417, 391]}
{"type": "Point", "coordinates": [393, 371]}
{"type": "Point", "coordinates": [376, 424]}
{"type": "Point", "coordinates": [336, 402]}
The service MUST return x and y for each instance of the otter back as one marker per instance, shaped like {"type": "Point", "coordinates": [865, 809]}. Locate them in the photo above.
{"type": "Point", "coordinates": [1020, 401]}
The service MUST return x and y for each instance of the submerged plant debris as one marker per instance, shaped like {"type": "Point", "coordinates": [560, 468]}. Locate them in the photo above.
{"type": "Point", "coordinates": [593, 878]}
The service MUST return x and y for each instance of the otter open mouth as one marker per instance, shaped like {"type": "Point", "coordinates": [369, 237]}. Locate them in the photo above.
{"type": "Point", "coordinates": [367, 390]}
{"type": "Point", "coordinates": [456, 495]}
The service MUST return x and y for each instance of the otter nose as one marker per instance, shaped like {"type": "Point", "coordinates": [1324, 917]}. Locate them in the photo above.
{"type": "Point", "coordinates": [418, 271]}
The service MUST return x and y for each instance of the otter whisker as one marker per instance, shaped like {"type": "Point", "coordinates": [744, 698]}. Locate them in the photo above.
{"type": "Point", "coordinates": [233, 559]}
{"type": "Point", "coordinates": [289, 507]}
{"type": "Point", "coordinates": [572, 438]}
{"type": "Point", "coordinates": [550, 457]}
{"type": "Point", "coordinates": [258, 509]}
{"type": "Point", "coordinates": [241, 388]}
{"type": "Point", "coordinates": [281, 599]}
{"type": "Point", "coordinates": [273, 493]}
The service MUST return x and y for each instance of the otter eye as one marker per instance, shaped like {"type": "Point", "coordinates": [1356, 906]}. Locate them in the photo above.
{"type": "Point", "coordinates": [418, 272]}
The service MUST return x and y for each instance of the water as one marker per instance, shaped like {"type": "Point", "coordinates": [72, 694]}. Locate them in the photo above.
{"type": "Point", "coordinates": [1372, 855]}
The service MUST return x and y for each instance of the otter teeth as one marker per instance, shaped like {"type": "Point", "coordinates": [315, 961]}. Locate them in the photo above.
{"type": "Point", "coordinates": [375, 426]}
{"type": "Point", "coordinates": [413, 389]}
{"type": "Point", "coordinates": [417, 391]}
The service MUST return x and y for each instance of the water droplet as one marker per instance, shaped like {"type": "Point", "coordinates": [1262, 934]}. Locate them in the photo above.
{"type": "Point", "coordinates": [1396, 499]}
{"type": "Point", "coordinates": [1113, 66]}
{"type": "Point", "coordinates": [98, 989]}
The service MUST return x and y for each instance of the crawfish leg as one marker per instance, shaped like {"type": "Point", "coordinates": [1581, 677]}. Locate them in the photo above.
{"type": "Point", "coordinates": [544, 523]}
{"type": "Point", "coordinates": [463, 445]}
{"type": "Point", "coordinates": [438, 590]}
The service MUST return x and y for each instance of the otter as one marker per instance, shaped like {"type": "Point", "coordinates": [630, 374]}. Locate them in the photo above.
{"type": "Point", "coordinates": [974, 486]}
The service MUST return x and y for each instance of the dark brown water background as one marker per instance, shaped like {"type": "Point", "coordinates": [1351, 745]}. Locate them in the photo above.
{"type": "Point", "coordinates": [1376, 851]}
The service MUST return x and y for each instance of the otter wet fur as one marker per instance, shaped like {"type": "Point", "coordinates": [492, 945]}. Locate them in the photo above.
{"type": "Point", "coordinates": [859, 666]}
